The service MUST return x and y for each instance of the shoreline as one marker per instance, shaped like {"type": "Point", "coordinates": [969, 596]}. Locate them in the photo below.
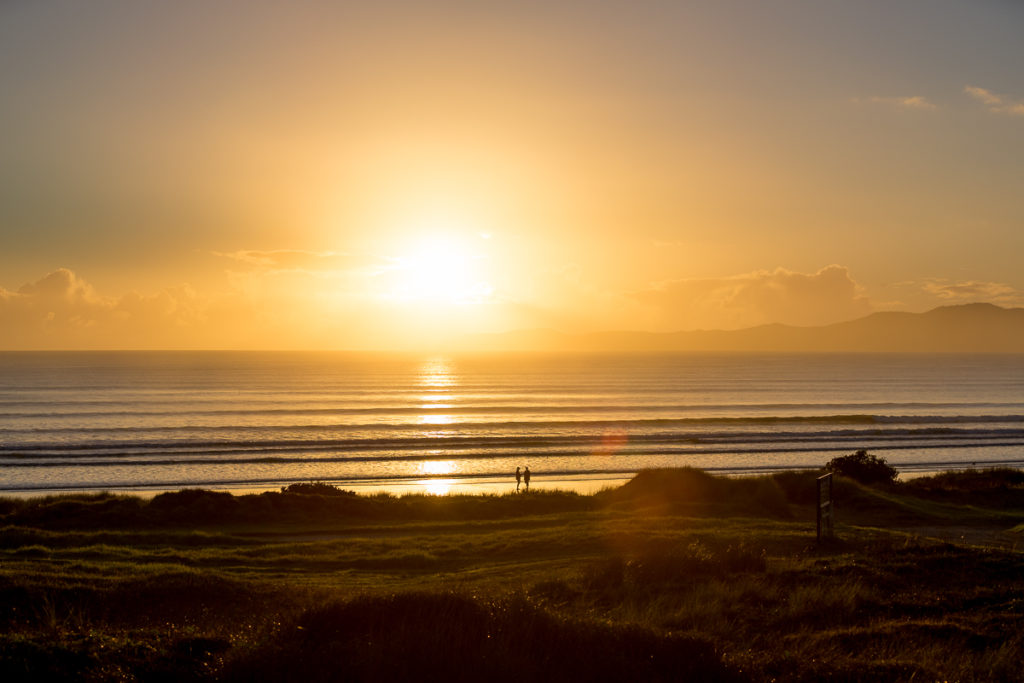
{"type": "Point", "coordinates": [582, 483]}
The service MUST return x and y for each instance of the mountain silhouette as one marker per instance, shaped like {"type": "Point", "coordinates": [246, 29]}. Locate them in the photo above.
{"type": "Point", "coordinates": [974, 328]}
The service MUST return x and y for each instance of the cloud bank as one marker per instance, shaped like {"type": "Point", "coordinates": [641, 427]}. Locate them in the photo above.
{"type": "Point", "coordinates": [274, 304]}
{"type": "Point", "coordinates": [780, 295]}
{"type": "Point", "coordinates": [295, 308]}
{"type": "Point", "coordinates": [61, 310]}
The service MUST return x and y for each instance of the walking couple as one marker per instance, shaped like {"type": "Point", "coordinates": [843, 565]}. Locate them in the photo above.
{"type": "Point", "coordinates": [523, 477]}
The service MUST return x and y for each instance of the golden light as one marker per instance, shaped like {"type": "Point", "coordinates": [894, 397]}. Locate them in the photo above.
{"type": "Point", "coordinates": [440, 270]}
{"type": "Point", "coordinates": [436, 374]}
{"type": "Point", "coordinates": [438, 487]}
{"type": "Point", "coordinates": [438, 467]}
{"type": "Point", "coordinates": [436, 419]}
{"type": "Point", "coordinates": [434, 468]}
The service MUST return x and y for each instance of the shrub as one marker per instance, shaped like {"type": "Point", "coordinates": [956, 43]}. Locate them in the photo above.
{"type": "Point", "coordinates": [315, 488]}
{"type": "Point", "coordinates": [863, 467]}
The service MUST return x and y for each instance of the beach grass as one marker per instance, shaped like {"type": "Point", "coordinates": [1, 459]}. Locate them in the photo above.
{"type": "Point", "coordinates": [677, 575]}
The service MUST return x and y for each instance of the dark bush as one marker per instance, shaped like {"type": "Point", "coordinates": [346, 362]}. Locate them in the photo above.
{"type": "Point", "coordinates": [315, 488]}
{"type": "Point", "coordinates": [863, 467]}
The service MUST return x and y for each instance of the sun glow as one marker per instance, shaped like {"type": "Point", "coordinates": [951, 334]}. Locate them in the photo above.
{"type": "Point", "coordinates": [436, 419]}
{"type": "Point", "coordinates": [438, 487]}
{"type": "Point", "coordinates": [438, 467]}
{"type": "Point", "coordinates": [440, 270]}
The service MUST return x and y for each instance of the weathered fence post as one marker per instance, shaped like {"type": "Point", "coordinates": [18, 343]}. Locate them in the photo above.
{"type": "Point", "coordinates": [825, 509]}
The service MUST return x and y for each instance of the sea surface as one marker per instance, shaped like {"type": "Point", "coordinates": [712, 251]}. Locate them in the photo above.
{"type": "Point", "coordinates": [144, 421]}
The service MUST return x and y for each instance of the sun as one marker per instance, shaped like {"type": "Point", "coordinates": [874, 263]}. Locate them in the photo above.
{"type": "Point", "coordinates": [440, 270]}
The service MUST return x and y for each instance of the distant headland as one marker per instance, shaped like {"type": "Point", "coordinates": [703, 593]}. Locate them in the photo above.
{"type": "Point", "coordinates": [967, 328]}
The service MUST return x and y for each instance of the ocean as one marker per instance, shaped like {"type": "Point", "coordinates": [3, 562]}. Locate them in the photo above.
{"type": "Point", "coordinates": [153, 421]}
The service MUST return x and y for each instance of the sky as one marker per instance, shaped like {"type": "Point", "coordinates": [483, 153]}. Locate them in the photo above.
{"type": "Point", "coordinates": [387, 175]}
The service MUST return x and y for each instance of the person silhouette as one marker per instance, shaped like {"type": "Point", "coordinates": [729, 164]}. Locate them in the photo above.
{"type": "Point", "coordinates": [526, 477]}
{"type": "Point", "coordinates": [519, 476]}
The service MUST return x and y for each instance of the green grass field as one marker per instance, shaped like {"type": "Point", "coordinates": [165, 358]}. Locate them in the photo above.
{"type": "Point", "coordinates": [677, 575]}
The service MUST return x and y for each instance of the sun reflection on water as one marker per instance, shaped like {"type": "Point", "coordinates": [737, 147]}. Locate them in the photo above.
{"type": "Point", "coordinates": [436, 419]}
{"type": "Point", "coordinates": [437, 467]}
{"type": "Point", "coordinates": [437, 487]}
{"type": "Point", "coordinates": [438, 378]}
{"type": "Point", "coordinates": [437, 373]}
{"type": "Point", "coordinates": [435, 400]}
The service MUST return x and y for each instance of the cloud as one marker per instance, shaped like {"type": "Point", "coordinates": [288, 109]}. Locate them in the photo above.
{"type": "Point", "coordinates": [780, 295]}
{"type": "Point", "coordinates": [62, 286]}
{"type": "Point", "coordinates": [62, 310]}
{"type": "Point", "coordinates": [292, 263]}
{"type": "Point", "coordinates": [984, 96]}
{"type": "Point", "coordinates": [905, 102]}
{"type": "Point", "coordinates": [285, 259]}
{"type": "Point", "coordinates": [995, 103]}
{"type": "Point", "coordinates": [974, 291]}
{"type": "Point", "coordinates": [267, 307]}
{"type": "Point", "coordinates": [59, 300]}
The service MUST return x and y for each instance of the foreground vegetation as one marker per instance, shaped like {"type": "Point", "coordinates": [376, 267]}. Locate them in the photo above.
{"type": "Point", "coordinates": [677, 575]}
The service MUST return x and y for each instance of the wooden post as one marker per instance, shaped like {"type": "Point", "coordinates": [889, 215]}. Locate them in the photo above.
{"type": "Point", "coordinates": [825, 508]}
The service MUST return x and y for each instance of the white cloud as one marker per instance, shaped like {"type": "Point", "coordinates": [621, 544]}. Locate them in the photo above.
{"type": "Point", "coordinates": [905, 102]}
{"type": "Point", "coordinates": [780, 295]}
{"type": "Point", "coordinates": [984, 96]}
{"type": "Point", "coordinates": [994, 102]}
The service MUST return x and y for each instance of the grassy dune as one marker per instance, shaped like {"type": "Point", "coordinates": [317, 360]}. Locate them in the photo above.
{"type": "Point", "coordinates": [676, 575]}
